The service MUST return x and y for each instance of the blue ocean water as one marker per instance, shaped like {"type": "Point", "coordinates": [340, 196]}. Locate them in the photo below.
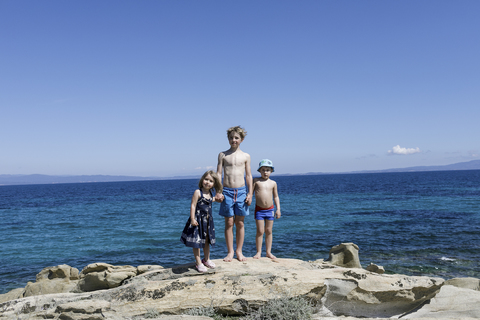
{"type": "Point", "coordinates": [419, 223]}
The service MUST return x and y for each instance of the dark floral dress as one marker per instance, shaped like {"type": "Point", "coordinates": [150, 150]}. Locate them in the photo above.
{"type": "Point", "coordinates": [196, 236]}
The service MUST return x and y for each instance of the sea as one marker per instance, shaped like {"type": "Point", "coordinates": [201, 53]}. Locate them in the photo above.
{"type": "Point", "coordinates": [415, 223]}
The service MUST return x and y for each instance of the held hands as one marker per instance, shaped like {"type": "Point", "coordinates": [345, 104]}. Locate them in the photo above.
{"type": "Point", "coordinates": [219, 197]}
{"type": "Point", "coordinates": [248, 199]}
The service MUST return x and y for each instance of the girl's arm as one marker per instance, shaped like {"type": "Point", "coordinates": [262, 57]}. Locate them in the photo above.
{"type": "Point", "coordinates": [193, 206]}
{"type": "Point", "coordinates": [276, 199]}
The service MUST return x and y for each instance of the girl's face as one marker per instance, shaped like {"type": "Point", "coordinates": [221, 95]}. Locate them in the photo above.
{"type": "Point", "coordinates": [208, 182]}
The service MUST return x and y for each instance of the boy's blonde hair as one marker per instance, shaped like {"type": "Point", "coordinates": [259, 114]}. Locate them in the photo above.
{"type": "Point", "coordinates": [237, 129]}
{"type": "Point", "coordinates": [217, 184]}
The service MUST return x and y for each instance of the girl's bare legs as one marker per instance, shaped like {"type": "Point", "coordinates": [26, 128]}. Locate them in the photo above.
{"type": "Point", "coordinates": [196, 253]}
{"type": "Point", "coordinates": [229, 221]}
{"type": "Point", "coordinates": [269, 238]}
{"type": "Point", "coordinates": [206, 250]}
{"type": "Point", "coordinates": [259, 238]}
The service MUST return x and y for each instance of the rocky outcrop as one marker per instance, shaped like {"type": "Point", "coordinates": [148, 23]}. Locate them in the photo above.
{"type": "Point", "coordinates": [236, 286]}
{"type": "Point", "coordinates": [345, 255]}
{"type": "Point", "coordinates": [365, 295]}
{"type": "Point", "coordinates": [12, 295]}
{"type": "Point", "coordinates": [372, 267]}
{"type": "Point", "coordinates": [65, 279]}
{"type": "Point", "coordinates": [98, 276]}
{"type": "Point", "coordinates": [122, 292]}
{"type": "Point", "coordinates": [466, 283]}
{"type": "Point", "coordinates": [62, 278]}
{"type": "Point", "coordinates": [451, 303]}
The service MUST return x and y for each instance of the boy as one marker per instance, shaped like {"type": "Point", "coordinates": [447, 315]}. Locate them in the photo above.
{"type": "Point", "coordinates": [265, 190]}
{"type": "Point", "coordinates": [235, 164]}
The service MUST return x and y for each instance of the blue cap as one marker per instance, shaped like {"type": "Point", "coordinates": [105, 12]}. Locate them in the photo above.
{"type": "Point", "coordinates": [266, 163]}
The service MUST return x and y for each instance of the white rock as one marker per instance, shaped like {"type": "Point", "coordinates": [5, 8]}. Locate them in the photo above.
{"type": "Point", "coordinates": [450, 303]}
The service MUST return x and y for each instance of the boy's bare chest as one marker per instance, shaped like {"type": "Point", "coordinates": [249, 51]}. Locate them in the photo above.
{"type": "Point", "coordinates": [234, 160]}
{"type": "Point", "coordinates": [263, 186]}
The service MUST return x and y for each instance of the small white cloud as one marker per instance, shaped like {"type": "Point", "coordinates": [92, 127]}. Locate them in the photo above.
{"type": "Point", "coordinates": [404, 151]}
{"type": "Point", "coordinates": [474, 154]}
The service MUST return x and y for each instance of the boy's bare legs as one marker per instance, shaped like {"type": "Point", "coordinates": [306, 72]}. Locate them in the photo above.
{"type": "Point", "coordinates": [269, 238]}
{"type": "Point", "coordinates": [229, 222]}
{"type": "Point", "coordinates": [259, 238]}
{"type": "Point", "coordinates": [239, 224]}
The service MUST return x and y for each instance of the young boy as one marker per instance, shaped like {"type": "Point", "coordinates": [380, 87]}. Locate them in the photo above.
{"type": "Point", "coordinates": [235, 165]}
{"type": "Point", "coordinates": [265, 194]}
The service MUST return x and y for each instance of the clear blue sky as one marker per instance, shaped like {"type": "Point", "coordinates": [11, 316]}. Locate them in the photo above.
{"type": "Point", "coordinates": [149, 88]}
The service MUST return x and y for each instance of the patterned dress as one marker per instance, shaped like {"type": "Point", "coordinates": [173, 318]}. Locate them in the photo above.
{"type": "Point", "coordinates": [196, 236]}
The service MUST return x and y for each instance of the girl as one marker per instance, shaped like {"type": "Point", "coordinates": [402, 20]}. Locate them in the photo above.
{"type": "Point", "coordinates": [199, 232]}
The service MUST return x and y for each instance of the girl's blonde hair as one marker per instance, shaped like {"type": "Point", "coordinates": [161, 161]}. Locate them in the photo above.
{"type": "Point", "coordinates": [217, 184]}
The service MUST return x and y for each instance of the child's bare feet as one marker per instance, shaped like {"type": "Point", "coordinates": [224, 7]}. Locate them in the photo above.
{"type": "Point", "coordinates": [241, 257]}
{"type": "Point", "coordinates": [228, 258]}
{"type": "Point", "coordinates": [271, 256]}
{"type": "Point", "coordinates": [257, 256]}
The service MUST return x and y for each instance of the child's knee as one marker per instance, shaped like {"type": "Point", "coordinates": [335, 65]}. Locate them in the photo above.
{"type": "Point", "coordinates": [239, 221]}
{"type": "Point", "coordinates": [229, 223]}
{"type": "Point", "coordinates": [239, 224]}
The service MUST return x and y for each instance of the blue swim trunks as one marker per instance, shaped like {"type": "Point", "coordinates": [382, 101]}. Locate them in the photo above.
{"type": "Point", "coordinates": [234, 202]}
{"type": "Point", "coordinates": [264, 213]}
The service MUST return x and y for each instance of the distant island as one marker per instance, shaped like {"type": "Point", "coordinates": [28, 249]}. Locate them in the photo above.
{"type": "Point", "coordinates": [18, 179]}
{"type": "Point", "coordinates": [469, 165]}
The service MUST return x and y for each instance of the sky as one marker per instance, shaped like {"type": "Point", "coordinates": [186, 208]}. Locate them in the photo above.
{"type": "Point", "coordinates": [149, 88]}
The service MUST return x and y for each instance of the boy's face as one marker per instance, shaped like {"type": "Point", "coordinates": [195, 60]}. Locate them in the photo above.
{"type": "Point", "coordinates": [234, 139]}
{"type": "Point", "coordinates": [265, 172]}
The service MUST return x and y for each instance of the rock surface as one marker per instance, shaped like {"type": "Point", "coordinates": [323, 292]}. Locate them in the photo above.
{"type": "Point", "coordinates": [467, 283]}
{"type": "Point", "coordinates": [235, 286]}
{"type": "Point", "coordinates": [450, 303]}
{"type": "Point", "coordinates": [104, 291]}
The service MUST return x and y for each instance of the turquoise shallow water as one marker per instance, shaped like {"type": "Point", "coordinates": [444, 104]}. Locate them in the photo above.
{"type": "Point", "coordinates": [424, 223]}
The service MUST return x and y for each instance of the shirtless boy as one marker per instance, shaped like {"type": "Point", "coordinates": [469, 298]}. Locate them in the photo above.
{"type": "Point", "coordinates": [265, 194]}
{"type": "Point", "coordinates": [235, 166]}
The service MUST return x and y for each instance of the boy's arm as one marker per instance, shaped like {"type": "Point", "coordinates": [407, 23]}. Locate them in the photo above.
{"type": "Point", "coordinates": [276, 199]}
{"type": "Point", "coordinates": [254, 186]}
{"type": "Point", "coordinates": [219, 197]}
{"type": "Point", "coordinates": [221, 155]}
{"type": "Point", "coordinates": [248, 180]}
